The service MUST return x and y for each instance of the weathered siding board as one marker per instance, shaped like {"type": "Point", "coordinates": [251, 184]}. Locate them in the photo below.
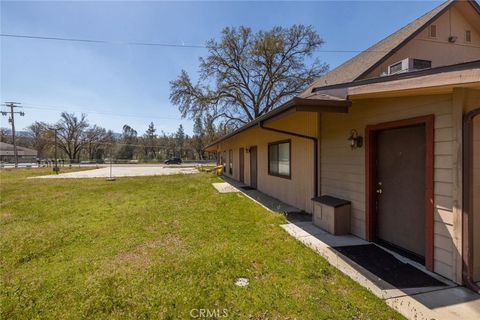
{"type": "Point", "coordinates": [443, 121]}
{"type": "Point", "coordinates": [443, 269]}
{"type": "Point", "coordinates": [443, 216]}
{"type": "Point", "coordinates": [343, 169]}
{"type": "Point", "coordinates": [443, 148]}
{"type": "Point", "coordinates": [443, 134]}
{"type": "Point", "coordinates": [443, 175]}
{"type": "Point", "coordinates": [443, 242]}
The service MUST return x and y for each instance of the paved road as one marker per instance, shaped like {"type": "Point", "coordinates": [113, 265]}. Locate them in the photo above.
{"type": "Point", "coordinates": [126, 171]}
{"type": "Point", "coordinates": [76, 165]}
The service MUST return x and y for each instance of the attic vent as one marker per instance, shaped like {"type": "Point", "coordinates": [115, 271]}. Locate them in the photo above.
{"type": "Point", "coordinates": [432, 31]}
{"type": "Point", "coordinates": [468, 36]}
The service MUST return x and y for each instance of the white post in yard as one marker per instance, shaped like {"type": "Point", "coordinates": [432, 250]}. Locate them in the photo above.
{"type": "Point", "coordinates": [111, 178]}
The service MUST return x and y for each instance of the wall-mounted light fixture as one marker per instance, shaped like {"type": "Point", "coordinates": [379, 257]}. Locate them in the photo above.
{"type": "Point", "coordinates": [356, 141]}
{"type": "Point", "coordinates": [452, 39]}
{"type": "Point", "coordinates": [247, 149]}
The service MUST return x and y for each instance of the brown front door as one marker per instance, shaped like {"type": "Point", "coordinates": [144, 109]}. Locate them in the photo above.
{"type": "Point", "coordinates": [253, 167]}
{"type": "Point", "coordinates": [242, 164]}
{"type": "Point", "coordinates": [400, 188]}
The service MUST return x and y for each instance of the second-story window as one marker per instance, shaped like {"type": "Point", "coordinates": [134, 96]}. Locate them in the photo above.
{"type": "Point", "coordinates": [468, 36]}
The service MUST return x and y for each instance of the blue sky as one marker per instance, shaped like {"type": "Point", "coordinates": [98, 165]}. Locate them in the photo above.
{"type": "Point", "coordinates": [119, 84]}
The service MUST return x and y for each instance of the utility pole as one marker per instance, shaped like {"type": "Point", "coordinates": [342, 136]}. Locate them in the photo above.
{"type": "Point", "coordinates": [56, 168]}
{"type": "Point", "coordinates": [12, 106]}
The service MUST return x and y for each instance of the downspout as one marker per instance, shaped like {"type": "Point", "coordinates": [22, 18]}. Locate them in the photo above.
{"type": "Point", "coordinates": [467, 230]}
{"type": "Point", "coordinates": [315, 151]}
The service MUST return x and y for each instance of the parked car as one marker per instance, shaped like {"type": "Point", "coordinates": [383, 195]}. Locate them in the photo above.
{"type": "Point", "coordinates": [173, 161]}
{"type": "Point", "coordinates": [87, 162]}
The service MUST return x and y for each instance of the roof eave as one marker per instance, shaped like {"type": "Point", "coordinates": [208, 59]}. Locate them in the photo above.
{"type": "Point", "coordinates": [296, 105]}
{"type": "Point", "coordinates": [399, 76]}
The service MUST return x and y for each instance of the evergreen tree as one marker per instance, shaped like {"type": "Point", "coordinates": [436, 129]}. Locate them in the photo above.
{"type": "Point", "coordinates": [198, 137]}
{"type": "Point", "coordinates": [180, 139]}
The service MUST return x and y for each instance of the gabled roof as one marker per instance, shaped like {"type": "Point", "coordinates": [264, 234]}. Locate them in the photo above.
{"type": "Point", "coordinates": [7, 149]}
{"type": "Point", "coordinates": [365, 61]}
{"type": "Point", "coordinates": [349, 74]}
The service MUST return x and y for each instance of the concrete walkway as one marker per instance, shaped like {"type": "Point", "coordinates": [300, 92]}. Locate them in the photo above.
{"type": "Point", "coordinates": [448, 302]}
{"type": "Point", "coordinates": [224, 187]}
{"type": "Point", "coordinates": [126, 171]}
{"type": "Point", "coordinates": [264, 200]}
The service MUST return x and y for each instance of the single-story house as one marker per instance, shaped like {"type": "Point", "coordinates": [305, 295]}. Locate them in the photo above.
{"type": "Point", "coordinates": [7, 153]}
{"type": "Point", "coordinates": [395, 131]}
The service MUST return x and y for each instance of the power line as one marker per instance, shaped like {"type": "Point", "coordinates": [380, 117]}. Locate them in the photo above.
{"type": "Point", "coordinates": [150, 44]}
{"type": "Point", "coordinates": [104, 41]}
{"type": "Point", "coordinates": [80, 109]}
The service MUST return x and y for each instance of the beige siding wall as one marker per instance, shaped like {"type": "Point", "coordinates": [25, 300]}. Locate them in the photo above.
{"type": "Point", "coordinates": [343, 169]}
{"type": "Point", "coordinates": [476, 197]}
{"type": "Point", "coordinates": [439, 50]}
{"type": "Point", "coordinates": [471, 101]}
{"type": "Point", "coordinates": [296, 191]}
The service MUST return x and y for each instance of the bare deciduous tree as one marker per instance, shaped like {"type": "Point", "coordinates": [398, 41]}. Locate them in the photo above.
{"type": "Point", "coordinates": [41, 137]}
{"type": "Point", "coordinates": [247, 74]}
{"type": "Point", "coordinates": [71, 134]}
{"type": "Point", "coordinates": [96, 139]}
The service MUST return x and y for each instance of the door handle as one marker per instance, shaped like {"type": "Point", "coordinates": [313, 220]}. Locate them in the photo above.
{"type": "Point", "coordinates": [379, 188]}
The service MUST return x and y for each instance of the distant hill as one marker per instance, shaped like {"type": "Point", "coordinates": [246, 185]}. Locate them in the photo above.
{"type": "Point", "coordinates": [17, 133]}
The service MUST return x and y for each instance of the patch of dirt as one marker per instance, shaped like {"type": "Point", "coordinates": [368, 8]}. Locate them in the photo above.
{"type": "Point", "coordinates": [132, 258]}
{"type": "Point", "coordinates": [7, 216]}
{"type": "Point", "coordinates": [140, 256]}
{"type": "Point", "coordinates": [137, 259]}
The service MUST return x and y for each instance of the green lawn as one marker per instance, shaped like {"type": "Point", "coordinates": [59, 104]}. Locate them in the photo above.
{"type": "Point", "coordinates": [158, 247]}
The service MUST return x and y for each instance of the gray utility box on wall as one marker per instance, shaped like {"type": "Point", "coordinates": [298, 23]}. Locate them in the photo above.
{"type": "Point", "coordinates": [332, 214]}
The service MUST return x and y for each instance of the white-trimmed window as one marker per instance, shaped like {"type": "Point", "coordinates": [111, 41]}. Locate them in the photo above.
{"type": "Point", "coordinates": [279, 156]}
{"type": "Point", "coordinates": [230, 162]}
{"type": "Point", "coordinates": [224, 161]}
